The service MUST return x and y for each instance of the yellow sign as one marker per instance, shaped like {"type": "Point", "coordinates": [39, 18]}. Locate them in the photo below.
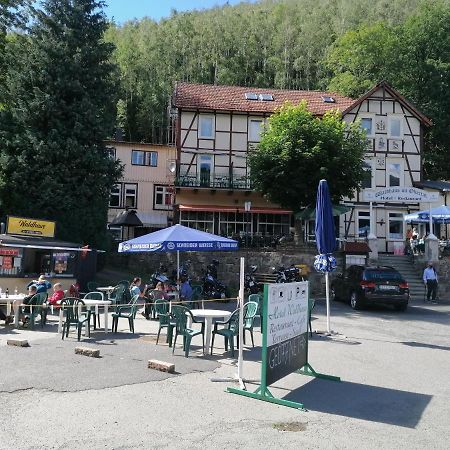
{"type": "Point", "coordinates": [30, 227]}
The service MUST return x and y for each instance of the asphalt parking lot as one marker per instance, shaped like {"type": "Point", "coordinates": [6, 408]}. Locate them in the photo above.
{"type": "Point", "coordinates": [394, 393]}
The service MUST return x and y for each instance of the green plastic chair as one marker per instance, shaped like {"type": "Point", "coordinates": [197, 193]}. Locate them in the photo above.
{"type": "Point", "coordinates": [36, 307]}
{"type": "Point", "coordinates": [127, 312]}
{"type": "Point", "coordinates": [180, 314]}
{"type": "Point", "coordinates": [161, 307]}
{"type": "Point", "coordinates": [152, 296]}
{"type": "Point", "coordinates": [257, 298]}
{"type": "Point", "coordinates": [73, 309]}
{"type": "Point", "coordinates": [92, 286]}
{"type": "Point", "coordinates": [117, 295]}
{"type": "Point", "coordinates": [250, 310]}
{"type": "Point", "coordinates": [197, 299]}
{"type": "Point", "coordinates": [125, 283]}
{"type": "Point", "coordinates": [229, 332]}
{"type": "Point", "coordinates": [96, 295]}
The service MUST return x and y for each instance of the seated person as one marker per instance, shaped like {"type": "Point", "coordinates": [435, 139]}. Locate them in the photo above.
{"type": "Point", "coordinates": [32, 291]}
{"type": "Point", "coordinates": [57, 296]}
{"type": "Point", "coordinates": [7, 319]}
{"type": "Point", "coordinates": [185, 291]}
{"type": "Point", "coordinates": [160, 286]}
{"type": "Point", "coordinates": [41, 284]}
{"type": "Point", "coordinates": [74, 290]}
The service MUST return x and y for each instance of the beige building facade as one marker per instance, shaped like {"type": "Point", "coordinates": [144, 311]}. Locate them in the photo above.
{"type": "Point", "coordinates": [147, 186]}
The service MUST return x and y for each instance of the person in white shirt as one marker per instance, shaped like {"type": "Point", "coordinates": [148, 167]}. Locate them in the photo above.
{"type": "Point", "coordinates": [430, 279]}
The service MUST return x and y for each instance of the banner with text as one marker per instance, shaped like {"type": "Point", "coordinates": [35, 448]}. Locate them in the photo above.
{"type": "Point", "coordinates": [286, 328]}
{"type": "Point", "coordinates": [30, 227]}
{"type": "Point", "coordinates": [399, 194]}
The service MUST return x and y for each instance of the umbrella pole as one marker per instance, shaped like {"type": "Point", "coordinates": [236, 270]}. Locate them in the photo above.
{"type": "Point", "coordinates": [178, 270]}
{"type": "Point", "coordinates": [327, 293]}
{"type": "Point", "coordinates": [241, 323]}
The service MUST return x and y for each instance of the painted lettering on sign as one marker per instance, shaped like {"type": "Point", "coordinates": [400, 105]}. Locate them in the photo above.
{"type": "Point", "coordinates": [286, 329]}
{"type": "Point", "coordinates": [399, 194]}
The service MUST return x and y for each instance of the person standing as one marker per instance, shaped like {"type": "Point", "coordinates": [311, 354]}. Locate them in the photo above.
{"type": "Point", "coordinates": [430, 280]}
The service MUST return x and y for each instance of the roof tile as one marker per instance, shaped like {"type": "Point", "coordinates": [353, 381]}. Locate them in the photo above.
{"type": "Point", "coordinates": [232, 98]}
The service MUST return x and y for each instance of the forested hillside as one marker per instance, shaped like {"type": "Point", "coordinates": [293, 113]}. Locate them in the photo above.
{"type": "Point", "coordinates": [269, 44]}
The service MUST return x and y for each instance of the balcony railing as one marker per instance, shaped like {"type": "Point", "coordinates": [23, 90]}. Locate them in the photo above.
{"type": "Point", "coordinates": [217, 182]}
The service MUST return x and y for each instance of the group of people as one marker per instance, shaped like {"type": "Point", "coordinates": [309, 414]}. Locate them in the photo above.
{"type": "Point", "coordinates": [39, 286]}
{"type": "Point", "coordinates": [414, 244]}
{"type": "Point", "coordinates": [136, 288]}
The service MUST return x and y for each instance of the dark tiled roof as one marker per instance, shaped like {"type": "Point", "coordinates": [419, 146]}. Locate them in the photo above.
{"type": "Point", "coordinates": [438, 185]}
{"type": "Point", "coordinates": [232, 98]}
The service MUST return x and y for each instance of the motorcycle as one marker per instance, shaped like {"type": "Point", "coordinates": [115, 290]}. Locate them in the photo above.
{"type": "Point", "coordinates": [287, 275]}
{"type": "Point", "coordinates": [158, 277]}
{"type": "Point", "coordinates": [251, 286]}
{"type": "Point", "coordinates": [212, 287]}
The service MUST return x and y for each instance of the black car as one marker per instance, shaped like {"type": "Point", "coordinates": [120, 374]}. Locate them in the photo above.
{"type": "Point", "coordinates": [371, 285]}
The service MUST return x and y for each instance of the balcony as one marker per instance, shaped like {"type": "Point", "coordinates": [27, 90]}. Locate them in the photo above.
{"type": "Point", "coordinates": [217, 182]}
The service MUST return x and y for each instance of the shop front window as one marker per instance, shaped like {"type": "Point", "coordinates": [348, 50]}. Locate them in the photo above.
{"type": "Point", "coordinates": [395, 226]}
{"type": "Point", "coordinates": [363, 223]}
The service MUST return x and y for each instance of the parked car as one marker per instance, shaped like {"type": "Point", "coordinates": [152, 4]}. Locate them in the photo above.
{"type": "Point", "coordinates": [362, 286]}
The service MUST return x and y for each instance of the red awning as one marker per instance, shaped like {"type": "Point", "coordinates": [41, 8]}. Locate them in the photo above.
{"type": "Point", "coordinates": [240, 209]}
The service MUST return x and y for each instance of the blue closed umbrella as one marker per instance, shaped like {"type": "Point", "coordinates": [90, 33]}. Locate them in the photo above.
{"type": "Point", "coordinates": [325, 238]}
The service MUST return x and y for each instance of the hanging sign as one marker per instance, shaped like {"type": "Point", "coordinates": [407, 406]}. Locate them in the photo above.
{"type": "Point", "coordinates": [30, 227]}
{"type": "Point", "coordinates": [399, 194]}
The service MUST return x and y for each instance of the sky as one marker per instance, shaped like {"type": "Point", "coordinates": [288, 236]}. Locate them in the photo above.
{"type": "Point", "coordinates": [123, 10]}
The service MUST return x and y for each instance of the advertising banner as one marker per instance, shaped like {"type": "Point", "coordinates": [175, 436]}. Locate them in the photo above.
{"type": "Point", "coordinates": [30, 227]}
{"type": "Point", "coordinates": [286, 329]}
{"type": "Point", "coordinates": [399, 194]}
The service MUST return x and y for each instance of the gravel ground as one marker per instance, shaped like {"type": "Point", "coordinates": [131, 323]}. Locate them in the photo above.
{"type": "Point", "coordinates": [394, 393]}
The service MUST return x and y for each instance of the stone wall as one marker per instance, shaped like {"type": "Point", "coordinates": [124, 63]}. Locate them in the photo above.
{"type": "Point", "coordinates": [144, 264]}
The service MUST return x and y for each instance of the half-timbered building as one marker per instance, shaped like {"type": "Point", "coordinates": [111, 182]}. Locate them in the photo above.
{"type": "Point", "coordinates": [216, 127]}
{"type": "Point", "coordinates": [395, 131]}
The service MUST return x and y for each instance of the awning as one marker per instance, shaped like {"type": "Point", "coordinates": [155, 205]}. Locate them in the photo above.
{"type": "Point", "coordinates": [7, 240]}
{"type": "Point", "coordinates": [126, 219]}
{"type": "Point", "coordinates": [153, 219]}
{"type": "Point", "coordinates": [238, 209]}
{"type": "Point", "coordinates": [310, 213]}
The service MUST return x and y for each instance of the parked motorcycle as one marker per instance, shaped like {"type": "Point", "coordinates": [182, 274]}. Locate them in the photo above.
{"type": "Point", "coordinates": [158, 276]}
{"type": "Point", "coordinates": [212, 287]}
{"type": "Point", "coordinates": [251, 286]}
{"type": "Point", "coordinates": [287, 275]}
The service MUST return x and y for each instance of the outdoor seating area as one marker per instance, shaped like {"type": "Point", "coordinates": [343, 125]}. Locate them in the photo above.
{"type": "Point", "coordinates": [115, 310]}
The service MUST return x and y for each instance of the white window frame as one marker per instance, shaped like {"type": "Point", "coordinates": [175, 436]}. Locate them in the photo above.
{"type": "Point", "coordinates": [372, 118]}
{"type": "Point", "coordinates": [388, 171]}
{"type": "Point", "coordinates": [399, 219]}
{"type": "Point", "coordinates": [166, 192]}
{"type": "Point", "coordinates": [119, 194]}
{"type": "Point", "coordinates": [390, 119]}
{"type": "Point", "coordinates": [252, 137]}
{"type": "Point", "coordinates": [127, 186]}
{"type": "Point", "coordinates": [370, 162]}
{"type": "Point", "coordinates": [205, 159]}
{"type": "Point", "coordinates": [201, 118]}
{"type": "Point", "coordinates": [362, 215]}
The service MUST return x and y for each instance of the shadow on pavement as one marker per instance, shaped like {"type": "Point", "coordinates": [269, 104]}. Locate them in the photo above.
{"type": "Point", "coordinates": [359, 401]}
{"type": "Point", "coordinates": [424, 345]}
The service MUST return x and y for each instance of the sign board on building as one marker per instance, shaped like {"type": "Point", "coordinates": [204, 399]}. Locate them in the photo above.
{"type": "Point", "coordinates": [286, 326]}
{"type": "Point", "coordinates": [399, 194]}
{"type": "Point", "coordinates": [30, 227]}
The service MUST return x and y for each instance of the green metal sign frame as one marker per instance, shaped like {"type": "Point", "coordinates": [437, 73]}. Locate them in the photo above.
{"type": "Point", "coordinates": [263, 392]}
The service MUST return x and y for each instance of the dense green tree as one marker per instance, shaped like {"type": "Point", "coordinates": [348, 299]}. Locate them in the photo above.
{"type": "Point", "coordinates": [414, 57]}
{"type": "Point", "coordinates": [297, 150]}
{"type": "Point", "coordinates": [270, 43]}
{"type": "Point", "coordinates": [60, 109]}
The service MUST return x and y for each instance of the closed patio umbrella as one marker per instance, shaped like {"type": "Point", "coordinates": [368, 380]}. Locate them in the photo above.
{"type": "Point", "coordinates": [325, 239]}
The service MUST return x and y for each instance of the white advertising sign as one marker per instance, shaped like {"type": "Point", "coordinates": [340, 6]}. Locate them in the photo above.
{"type": "Point", "coordinates": [399, 194]}
{"type": "Point", "coordinates": [287, 312]}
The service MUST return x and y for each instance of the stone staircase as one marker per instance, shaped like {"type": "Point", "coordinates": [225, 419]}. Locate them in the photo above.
{"type": "Point", "coordinates": [405, 266]}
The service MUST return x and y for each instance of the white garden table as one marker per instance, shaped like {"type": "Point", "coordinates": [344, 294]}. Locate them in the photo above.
{"type": "Point", "coordinates": [15, 301]}
{"type": "Point", "coordinates": [209, 315]}
{"type": "Point", "coordinates": [89, 303]}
